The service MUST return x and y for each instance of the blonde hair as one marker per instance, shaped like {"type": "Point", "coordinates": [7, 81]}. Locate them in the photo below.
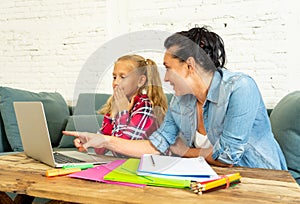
{"type": "Point", "coordinates": [153, 86]}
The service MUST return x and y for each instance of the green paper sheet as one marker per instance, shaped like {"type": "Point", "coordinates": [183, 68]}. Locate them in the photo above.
{"type": "Point", "coordinates": [127, 173]}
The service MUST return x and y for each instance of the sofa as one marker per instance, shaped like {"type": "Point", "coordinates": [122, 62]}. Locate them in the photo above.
{"type": "Point", "coordinates": [60, 116]}
{"type": "Point", "coordinates": [285, 121]}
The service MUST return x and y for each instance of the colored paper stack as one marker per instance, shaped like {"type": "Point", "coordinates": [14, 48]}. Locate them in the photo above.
{"type": "Point", "coordinates": [158, 170]}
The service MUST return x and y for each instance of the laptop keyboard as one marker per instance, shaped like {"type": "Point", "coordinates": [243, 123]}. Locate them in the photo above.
{"type": "Point", "coordinates": [61, 159]}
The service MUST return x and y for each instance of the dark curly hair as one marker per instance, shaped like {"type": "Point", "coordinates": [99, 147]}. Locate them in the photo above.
{"type": "Point", "coordinates": [198, 42]}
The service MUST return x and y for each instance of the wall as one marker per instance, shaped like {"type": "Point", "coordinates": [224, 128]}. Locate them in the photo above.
{"type": "Point", "coordinates": [56, 45]}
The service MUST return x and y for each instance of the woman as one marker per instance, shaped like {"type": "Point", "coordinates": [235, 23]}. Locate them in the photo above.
{"type": "Point", "coordinates": [223, 108]}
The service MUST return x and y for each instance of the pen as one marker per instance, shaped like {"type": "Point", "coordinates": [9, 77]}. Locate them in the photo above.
{"type": "Point", "coordinates": [153, 163]}
{"type": "Point", "coordinates": [61, 172]}
{"type": "Point", "coordinates": [82, 166]}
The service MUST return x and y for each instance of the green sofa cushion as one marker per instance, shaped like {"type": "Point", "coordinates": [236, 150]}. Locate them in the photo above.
{"type": "Point", "coordinates": [285, 121]}
{"type": "Point", "coordinates": [4, 145]}
{"type": "Point", "coordinates": [56, 111]}
{"type": "Point", "coordinates": [82, 123]}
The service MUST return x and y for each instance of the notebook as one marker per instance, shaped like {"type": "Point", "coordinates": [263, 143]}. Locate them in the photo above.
{"type": "Point", "coordinates": [36, 141]}
{"type": "Point", "coordinates": [196, 169]}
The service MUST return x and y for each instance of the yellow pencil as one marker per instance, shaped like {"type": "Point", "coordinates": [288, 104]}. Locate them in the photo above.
{"type": "Point", "coordinates": [220, 182]}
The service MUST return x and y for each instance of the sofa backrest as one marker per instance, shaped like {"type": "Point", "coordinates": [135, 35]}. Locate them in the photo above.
{"type": "Point", "coordinates": [55, 107]}
{"type": "Point", "coordinates": [89, 103]}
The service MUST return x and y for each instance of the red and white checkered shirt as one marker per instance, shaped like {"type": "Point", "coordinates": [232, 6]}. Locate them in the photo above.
{"type": "Point", "coordinates": [137, 124]}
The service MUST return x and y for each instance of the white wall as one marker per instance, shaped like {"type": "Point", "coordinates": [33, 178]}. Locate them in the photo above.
{"type": "Point", "coordinates": [68, 46]}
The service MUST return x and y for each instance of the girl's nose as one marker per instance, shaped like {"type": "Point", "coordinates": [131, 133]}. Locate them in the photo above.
{"type": "Point", "coordinates": [116, 82]}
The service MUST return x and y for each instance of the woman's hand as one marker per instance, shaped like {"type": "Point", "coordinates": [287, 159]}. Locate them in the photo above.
{"type": "Point", "coordinates": [179, 148]}
{"type": "Point", "coordinates": [85, 140]}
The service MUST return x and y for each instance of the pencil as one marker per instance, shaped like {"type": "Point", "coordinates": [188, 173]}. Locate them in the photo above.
{"type": "Point", "coordinates": [220, 182]}
{"type": "Point", "coordinates": [153, 163]}
{"type": "Point", "coordinates": [199, 187]}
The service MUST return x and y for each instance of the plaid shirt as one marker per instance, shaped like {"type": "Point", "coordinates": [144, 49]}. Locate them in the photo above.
{"type": "Point", "coordinates": [137, 124]}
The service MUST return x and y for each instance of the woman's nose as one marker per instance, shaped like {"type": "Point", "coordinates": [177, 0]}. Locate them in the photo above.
{"type": "Point", "coordinates": [166, 79]}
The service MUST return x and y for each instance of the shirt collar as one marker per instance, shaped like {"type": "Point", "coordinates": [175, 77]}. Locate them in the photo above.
{"type": "Point", "coordinates": [214, 89]}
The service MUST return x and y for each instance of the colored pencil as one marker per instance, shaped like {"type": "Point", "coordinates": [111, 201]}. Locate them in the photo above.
{"type": "Point", "coordinates": [199, 187]}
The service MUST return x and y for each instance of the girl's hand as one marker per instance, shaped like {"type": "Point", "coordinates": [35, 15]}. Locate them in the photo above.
{"type": "Point", "coordinates": [120, 102]}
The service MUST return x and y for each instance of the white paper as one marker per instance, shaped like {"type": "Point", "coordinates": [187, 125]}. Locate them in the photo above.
{"type": "Point", "coordinates": [174, 167]}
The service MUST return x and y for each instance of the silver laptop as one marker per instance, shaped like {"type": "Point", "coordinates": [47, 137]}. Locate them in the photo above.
{"type": "Point", "coordinates": [36, 139]}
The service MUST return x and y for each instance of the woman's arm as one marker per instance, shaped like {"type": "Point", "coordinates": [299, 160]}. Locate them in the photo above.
{"type": "Point", "coordinates": [207, 154]}
{"type": "Point", "coordinates": [182, 150]}
{"type": "Point", "coordinates": [242, 109]}
{"type": "Point", "coordinates": [133, 148]}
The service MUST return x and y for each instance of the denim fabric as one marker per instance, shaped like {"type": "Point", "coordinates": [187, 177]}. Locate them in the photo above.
{"type": "Point", "coordinates": [236, 122]}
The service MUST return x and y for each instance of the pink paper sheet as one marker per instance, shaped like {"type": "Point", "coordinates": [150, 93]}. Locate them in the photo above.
{"type": "Point", "coordinates": [97, 173]}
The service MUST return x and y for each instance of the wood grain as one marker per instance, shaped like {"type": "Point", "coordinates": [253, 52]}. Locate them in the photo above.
{"type": "Point", "coordinates": [26, 176]}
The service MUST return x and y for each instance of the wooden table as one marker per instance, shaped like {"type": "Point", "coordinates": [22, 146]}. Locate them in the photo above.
{"type": "Point", "coordinates": [26, 177]}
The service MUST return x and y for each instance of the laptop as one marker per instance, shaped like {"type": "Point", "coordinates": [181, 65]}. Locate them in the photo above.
{"type": "Point", "coordinates": [36, 141]}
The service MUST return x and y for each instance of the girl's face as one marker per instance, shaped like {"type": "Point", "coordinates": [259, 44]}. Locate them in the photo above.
{"type": "Point", "coordinates": [125, 76]}
{"type": "Point", "coordinates": [176, 74]}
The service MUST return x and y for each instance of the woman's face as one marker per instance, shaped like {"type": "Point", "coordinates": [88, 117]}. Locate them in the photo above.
{"type": "Point", "coordinates": [176, 73]}
{"type": "Point", "coordinates": [126, 77]}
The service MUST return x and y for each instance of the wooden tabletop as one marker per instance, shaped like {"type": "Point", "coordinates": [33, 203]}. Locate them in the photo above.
{"type": "Point", "coordinates": [24, 175]}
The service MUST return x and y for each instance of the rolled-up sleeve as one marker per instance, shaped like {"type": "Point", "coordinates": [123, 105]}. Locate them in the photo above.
{"type": "Point", "coordinates": [166, 134]}
{"type": "Point", "coordinates": [238, 122]}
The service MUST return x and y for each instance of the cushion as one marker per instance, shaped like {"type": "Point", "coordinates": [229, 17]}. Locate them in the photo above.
{"type": "Point", "coordinates": [4, 145]}
{"type": "Point", "coordinates": [285, 121]}
{"type": "Point", "coordinates": [82, 123]}
{"type": "Point", "coordinates": [55, 107]}
{"type": "Point", "coordinates": [89, 103]}
{"type": "Point", "coordinates": [169, 97]}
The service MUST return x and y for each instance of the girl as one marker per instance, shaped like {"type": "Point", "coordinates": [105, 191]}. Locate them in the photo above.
{"type": "Point", "coordinates": [138, 104]}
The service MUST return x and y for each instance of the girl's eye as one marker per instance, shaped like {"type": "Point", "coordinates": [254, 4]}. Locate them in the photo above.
{"type": "Point", "coordinates": [123, 76]}
{"type": "Point", "coordinates": [114, 77]}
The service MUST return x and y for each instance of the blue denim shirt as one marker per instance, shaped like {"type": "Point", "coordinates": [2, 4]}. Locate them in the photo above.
{"type": "Point", "coordinates": [235, 119]}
